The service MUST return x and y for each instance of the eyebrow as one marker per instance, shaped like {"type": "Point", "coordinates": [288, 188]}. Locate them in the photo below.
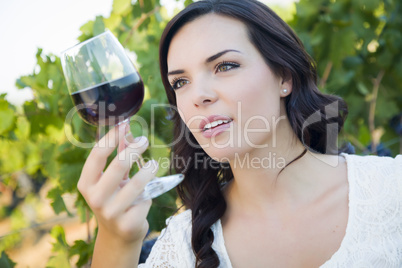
{"type": "Point", "coordinates": [208, 60]}
{"type": "Point", "coordinates": [219, 54]}
{"type": "Point", "coordinates": [176, 72]}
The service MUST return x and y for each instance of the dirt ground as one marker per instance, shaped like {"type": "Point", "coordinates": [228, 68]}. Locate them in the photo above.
{"type": "Point", "coordinates": [36, 247]}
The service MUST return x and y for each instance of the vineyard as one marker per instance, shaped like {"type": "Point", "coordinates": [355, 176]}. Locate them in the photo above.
{"type": "Point", "coordinates": [355, 43]}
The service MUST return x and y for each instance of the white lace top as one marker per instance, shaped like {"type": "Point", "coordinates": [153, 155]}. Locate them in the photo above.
{"type": "Point", "coordinates": [373, 234]}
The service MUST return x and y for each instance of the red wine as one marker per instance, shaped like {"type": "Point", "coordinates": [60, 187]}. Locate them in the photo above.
{"type": "Point", "coordinates": [111, 102]}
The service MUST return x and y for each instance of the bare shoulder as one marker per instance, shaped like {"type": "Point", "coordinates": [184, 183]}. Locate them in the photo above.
{"type": "Point", "coordinates": [331, 168]}
{"type": "Point", "coordinates": [332, 162]}
{"type": "Point", "coordinates": [331, 172]}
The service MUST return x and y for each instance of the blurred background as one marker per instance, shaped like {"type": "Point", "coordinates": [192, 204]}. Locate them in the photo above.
{"type": "Point", "coordinates": [44, 222]}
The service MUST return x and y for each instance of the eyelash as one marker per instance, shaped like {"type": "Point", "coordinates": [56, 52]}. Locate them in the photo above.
{"type": "Point", "coordinates": [174, 82]}
{"type": "Point", "coordinates": [232, 65]}
{"type": "Point", "coordinates": [229, 63]}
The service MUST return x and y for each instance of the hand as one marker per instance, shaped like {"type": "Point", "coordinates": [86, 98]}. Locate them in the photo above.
{"type": "Point", "coordinates": [110, 194]}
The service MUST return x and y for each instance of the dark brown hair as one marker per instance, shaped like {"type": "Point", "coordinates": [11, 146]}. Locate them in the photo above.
{"type": "Point", "coordinates": [309, 111]}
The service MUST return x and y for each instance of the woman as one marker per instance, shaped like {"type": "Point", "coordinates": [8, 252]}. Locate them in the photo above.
{"type": "Point", "coordinates": [264, 183]}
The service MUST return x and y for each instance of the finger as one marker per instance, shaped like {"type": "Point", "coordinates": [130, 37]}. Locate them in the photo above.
{"type": "Point", "coordinates": [128, 194]}
{"type": "Point", "coordinates": [136, 216]}
{"type": "Point", "coordinates": [141, 208]}
{"type": "Point", "coordinates": [96, 161]}
{"type": "Point", "coordinates": [124, 198]}
{"type": "Point", "coordinates": [124, 182]}
{"type": "Point", "coordinates": [133, 222]}
{"type": "Point", "coordinates": [112, 138]}
{"type": "Point", "coordinates": [120, 148]}
{"type": "Point", "coordinates": [115, 172]}
{"type": "Point", "coordinates": [135, 211]}
{"type": "Point", "coordinates": [128, 138]}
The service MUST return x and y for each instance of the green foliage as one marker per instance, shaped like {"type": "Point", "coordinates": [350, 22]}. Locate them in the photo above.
{"type": "Point", "coordinates": [84, 251]}
{"type": "Point", "coordinates": [63, 252]}
{"type": "Point", "coordinates": [18, 221]}
{"type": "Point", "coordinates": [5, 261]}
{"type": "Point", "coordinates": [58, 204]}
{"type": "Point", "coordinates": [60, 258]}
{"type": "Point", "coordinates": [355, 43]}
{"type": "Point", "coordinates": [36, 139]}
{"type": "Point", "coordinates": [7, 116]}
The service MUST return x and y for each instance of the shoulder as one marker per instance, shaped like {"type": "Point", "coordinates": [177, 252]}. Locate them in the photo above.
{"type": "Point", "coordinates": [375, 182]}
{"type": "Point", "coordinates": [370, 159]}
{"type": "Point", "coordinates": [374, 231]}
{"type": "Point", "coordinates": [181, 219]}
{"type": "Point", "coordinates": [173, 246]}
{"type": "Point", "coordinates": [178, 227]}
{"type": "Point", "coordinates": [375, 167]}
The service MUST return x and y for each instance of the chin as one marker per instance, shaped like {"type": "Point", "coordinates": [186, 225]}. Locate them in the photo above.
{"type": "Point", "coordinates": [230, 148]}
{"type": "Point", "coordinates": [224, 155]}
{"type": "Point", "coordinates": [220, 149]}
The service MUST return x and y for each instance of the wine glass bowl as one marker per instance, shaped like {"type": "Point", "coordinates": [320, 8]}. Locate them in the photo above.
{"type": "Point", "coordinates": [107, 90]}
{"type": "Point", "coordinates": [104, 85]}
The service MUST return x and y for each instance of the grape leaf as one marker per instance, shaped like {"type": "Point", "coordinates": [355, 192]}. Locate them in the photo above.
{"type": "Point", "coordinates": [99, 26]}
{"type": "Point", "coordinates": [121, 7]}
{"type": "Point", "coordinates": [84, 250]}
{"type": "Point", "coordinates": [57, 203]}
{"type": "Point", "coordinates": [7, 117]}
{"type": "Point", "coordinates": [5, 261]}
{"type": "Point", "coordinates": [61, 249]}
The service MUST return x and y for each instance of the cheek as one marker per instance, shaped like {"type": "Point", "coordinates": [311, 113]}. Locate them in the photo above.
{"type": "Point", "coordinates": [259, 114]}
{"type": "Point", "coordinates": [256, 84]}
{"type": "Point", "coordinates": [259, 107]}
{"type": "Point", "coordinates": [259, 99]}
{"type": "Point", "coordinates": [183, 104]}
{"type": "Point", "coordinates": [180, 107]}
{"type": "Point", "coordinates": [186, 111]}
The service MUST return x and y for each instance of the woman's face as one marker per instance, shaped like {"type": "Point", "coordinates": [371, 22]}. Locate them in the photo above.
{"type": "Point", "coordinates": [226, 93]}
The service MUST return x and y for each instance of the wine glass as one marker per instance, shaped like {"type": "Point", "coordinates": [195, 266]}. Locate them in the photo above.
{"type": "Point", "coordinates": [107, 90]}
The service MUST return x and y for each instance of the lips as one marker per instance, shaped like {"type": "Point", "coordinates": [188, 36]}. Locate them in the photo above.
{"type": "Point", "coordinates": [214, 125]}
{"type": "Point", "coordinates": [213, 121]}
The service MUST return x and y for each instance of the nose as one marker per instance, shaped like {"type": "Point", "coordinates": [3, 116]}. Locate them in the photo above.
{"type": "Point", "coordinates": [204, 94]}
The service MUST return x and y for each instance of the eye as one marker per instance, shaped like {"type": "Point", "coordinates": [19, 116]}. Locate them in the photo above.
{"type": "Point", "coordinates": [225, 66]}
{"type": "Point", "coordinates": [178, 83]}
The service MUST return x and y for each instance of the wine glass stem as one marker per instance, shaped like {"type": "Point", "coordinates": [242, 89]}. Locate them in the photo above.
{"type": "Point", "coordinates": [140, 162]}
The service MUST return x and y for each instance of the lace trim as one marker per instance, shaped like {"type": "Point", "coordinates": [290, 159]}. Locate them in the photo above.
{"type": "Point", "coordinates": [173, 247]}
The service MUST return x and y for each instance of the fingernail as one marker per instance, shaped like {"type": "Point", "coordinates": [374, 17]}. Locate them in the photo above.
{"type": "Point", "coordinates": [128, 138]}
{"type": "Point", "coordinates": [139, 141]}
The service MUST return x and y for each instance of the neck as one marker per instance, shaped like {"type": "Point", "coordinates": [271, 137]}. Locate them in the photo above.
{"type": "Point", "coordinates": [258, 179]}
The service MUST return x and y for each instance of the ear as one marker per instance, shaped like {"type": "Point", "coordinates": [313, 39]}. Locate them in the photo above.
{"type": "Point", "coordinates": [286, 86]}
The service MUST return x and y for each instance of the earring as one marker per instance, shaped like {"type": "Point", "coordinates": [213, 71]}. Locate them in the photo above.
{"type": "Point", "coordinates": [284, 91]}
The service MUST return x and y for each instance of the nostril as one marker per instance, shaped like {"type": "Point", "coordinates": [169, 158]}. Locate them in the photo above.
{"type": "Point", "coordinates": [203, 100]}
